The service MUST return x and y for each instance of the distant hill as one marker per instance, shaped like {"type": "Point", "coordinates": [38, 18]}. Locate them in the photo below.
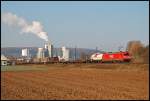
{"type": "Point", "coordinates": [16, 51]}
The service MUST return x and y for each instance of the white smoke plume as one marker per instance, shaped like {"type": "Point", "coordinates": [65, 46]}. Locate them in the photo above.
{"type": "Point", "coordinates": [35, 27]}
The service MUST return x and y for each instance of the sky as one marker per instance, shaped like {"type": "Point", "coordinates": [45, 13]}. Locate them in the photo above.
{"type": "Point", "coordinates": [84, 24]}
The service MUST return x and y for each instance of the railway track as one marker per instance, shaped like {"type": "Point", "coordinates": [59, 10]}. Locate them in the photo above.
{"type": "Point", "coordinates": [78, 62]}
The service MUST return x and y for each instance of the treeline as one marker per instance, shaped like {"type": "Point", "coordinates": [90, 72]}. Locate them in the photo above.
{"type": "Point", "coordinates": [139, 52]}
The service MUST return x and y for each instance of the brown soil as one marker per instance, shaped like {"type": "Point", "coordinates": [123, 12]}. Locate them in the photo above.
{"type": "Point", "coordinates": [78, 82]}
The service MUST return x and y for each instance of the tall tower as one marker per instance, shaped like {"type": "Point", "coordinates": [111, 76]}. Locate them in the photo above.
{"type": "Point", "coordinates": [46, 52]}
{"type": "Point", "coordinates": [65, 53]}
{"type": "Point", "coordinates": [49, 47]}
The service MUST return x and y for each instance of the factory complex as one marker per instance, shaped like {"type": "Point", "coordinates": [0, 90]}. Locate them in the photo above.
{"type": "Point", "coordinates": [44, 55]}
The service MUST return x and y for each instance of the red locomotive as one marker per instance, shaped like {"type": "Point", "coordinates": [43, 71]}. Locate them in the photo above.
{"type": "Point", "coordinates": [116, 57]}
{"type": "Point", "coordinates": [111, 57]}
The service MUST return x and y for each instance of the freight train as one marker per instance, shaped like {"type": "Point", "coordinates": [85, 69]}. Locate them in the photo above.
{"type": "Point", "coordinates": [111, 57]}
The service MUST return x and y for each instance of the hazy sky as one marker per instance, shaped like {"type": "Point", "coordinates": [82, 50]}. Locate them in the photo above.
{"type": "Point", "coordinates": [85, 24]}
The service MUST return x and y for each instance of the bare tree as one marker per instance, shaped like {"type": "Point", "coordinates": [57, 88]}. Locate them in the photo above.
{"type": "Point", "coordinates": [136, 49]}
{"type": "Point", "coordinates": [145, 54]}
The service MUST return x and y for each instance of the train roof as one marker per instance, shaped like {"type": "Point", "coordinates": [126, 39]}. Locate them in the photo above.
{"type": "Point", "coordinates": [117, 52]}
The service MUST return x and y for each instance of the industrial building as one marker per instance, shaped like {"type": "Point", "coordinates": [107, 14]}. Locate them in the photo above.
{"type": "Point", "coordinates": [65, 54]}
{"type": "Point", "coordinates": [46, 54]}
{"type": "Point", "coordinates": [25, 52]}
{"type": "Point", "coordinates": [4, 60]}
{"type": "Point", "coordinates": [49, 49]}
{"type": "Point", "coordinates": [40, 53]}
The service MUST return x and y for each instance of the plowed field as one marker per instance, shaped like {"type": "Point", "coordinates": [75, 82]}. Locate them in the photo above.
{"type": "Point", "coordinates": [81, 81]}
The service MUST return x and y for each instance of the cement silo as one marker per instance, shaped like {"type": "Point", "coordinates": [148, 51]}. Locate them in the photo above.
{"type": "Point", "coordinates": [25, 52]}
{"type": "Point", "coordinates": [40, 53]}
{"type": "Point", "coordinates": [65, 53]}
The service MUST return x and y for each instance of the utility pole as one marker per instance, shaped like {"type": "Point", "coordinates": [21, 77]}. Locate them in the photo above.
{"type": "Point", "coordinates": [96, 49]}
{"type": "Point", "coordinates": [56, 53]}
